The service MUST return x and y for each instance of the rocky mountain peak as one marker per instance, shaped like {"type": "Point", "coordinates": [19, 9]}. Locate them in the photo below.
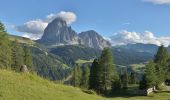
{"type": "Point", "coordinates": [58, 33]}
{"type": "Point", "coordinates": [92, 39]}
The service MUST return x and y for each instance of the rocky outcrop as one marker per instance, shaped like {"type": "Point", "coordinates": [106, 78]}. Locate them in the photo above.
{"type": "Point", "coordinates": [24, 69]}
{"type": "Point", "coordinates": [93, 39]}
{"type": "Point", "coordinates": [58, 33]}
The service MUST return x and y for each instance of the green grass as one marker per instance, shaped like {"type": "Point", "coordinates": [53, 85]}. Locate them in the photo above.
{"type": "Point", "coordinates": [20, 86]}
{"type": "Point", "coordinates": [138, 67]}
{"type": "Point", "coordinates": [21, 39]}
{"type": "Point", "coordinates": [81, 61]}
{"type": "Point", "coordinates": [15, 86]}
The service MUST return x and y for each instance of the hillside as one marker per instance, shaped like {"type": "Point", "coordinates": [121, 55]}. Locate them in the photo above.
{"type": "Point", "coordinates": [20, 86]}
{"type": "Point", "coordinates": [15, 86]}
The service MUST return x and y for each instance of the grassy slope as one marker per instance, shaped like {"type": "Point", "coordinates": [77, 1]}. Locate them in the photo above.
{"type": "Point", "coordinates": [15, 86]}
{"type": "Point", "coordinates": [21, 39]}
{"type": "Point", "coordinates": [19, 86]}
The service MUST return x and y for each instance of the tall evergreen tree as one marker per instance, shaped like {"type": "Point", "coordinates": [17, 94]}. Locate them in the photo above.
{"type": "Point", "coordinates": [85, 77]}
{"type": "Point", "coordinates": [94, 75]}
{"type": "Point", "coordinates": [125, 80]}
{"type": "Point", "coordinates": [161, 59]}
{"type": "Point", "coordinates": [17, 56]}
{"type": "Point", "coordinates": [133, 78]}
{"type": "Point", "coordinates": [150, 74]}
{"type": "Point", "coordinates": [108, 73]}
{"type": "Point", "coordinates": [5, 49]}
{"type": "Point", "coordinates": [76, 76]}
{"type": "Point", "coordinates": [28, 58]}
{"type": "Point", "coordinates": [143, 83]}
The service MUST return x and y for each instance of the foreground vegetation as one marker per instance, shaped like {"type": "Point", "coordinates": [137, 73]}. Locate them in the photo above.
{"type": "Point", "coordinates": [20, 86]}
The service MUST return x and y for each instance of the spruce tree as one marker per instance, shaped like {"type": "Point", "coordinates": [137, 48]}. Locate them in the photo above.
{"type": "Point", "coordinates": [108, 73]}
{"type": "Point", "coordinates": [143, 83]}
{"type": "Point", "coordinates": [150, 74]}
{"type": "Point", "coordinates": [28, 58]}
{"type": "Point", "coordinates": [94, 76]}
{"type": "Point", "coordinates": [5, 49]}
{"type": "Point", "coordinates": [125, 80]}
{"type": "Point", "coordinates": [161, 59]}
{"type": "Point", "coordinates": [76, 76]}
{"type": "Point", "coordinates": [17, 56]}
{"type": "Point", "coordinates": [133, 78]}
{"type": "Point", "coordinates": [85, 77]}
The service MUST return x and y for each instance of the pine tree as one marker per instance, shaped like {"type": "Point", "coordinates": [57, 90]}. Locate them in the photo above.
{"type": "Point", "coordinates": [133, 78]}
{"type": "Point", "coordinates": [17, 56]}
{"type": "Point", "coordinates": [5, 49]}
{"type": "Point", "coordinates": [76, 76]}
{"type": "Point", "coordinates": [150, 74]}
{"type": "Point", "coordinates": [108, 73]}
{"type": "Point", "coordinates": [94, 76]}
{"type": "Point", "coordinates": [161, 59]}
{"type": "Point", "coordinates": [125, 80]}
{"type": "Point", "coordinates": [85, 77]}
{"type": "Point", "coordinates": [143, 83]}
{"type": "Point", "coordinates": [28, 58]}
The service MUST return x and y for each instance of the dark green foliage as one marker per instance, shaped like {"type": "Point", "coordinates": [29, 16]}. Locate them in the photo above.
{"type": "Point", "coordinates": [107, 71]}
{"type": "Point", "coordinates": [103, 74]}
{"type": "Point", "coordinates": [76, 76]}
{"type": "Point", "coordinates": [27, 57]}
{"type": "Point", "coordinates": [85, 77]}
{"type": "Point", "coordinates": [48, 65]}
{"type": "Point", "coordinates": [162, 56]}
{"type": "Point", "coordinates": [161, 60]}
{"type": "Point", "coordinates": [94, 75]}
{"type": "Point", "coordinates": [125, 80]}
{"type": "Point", "coordinates": [71, 53]}
{"type": "Point", "coordinates": [122, 56]}
{"type": "Point", "coordinates": [143, 83]}
{"type": "Point", "coordinates": [116, 85]}
{"type": "Point", "coordinates": [150, 73]}
{"type": "Point", "coordinates": [17, 56]}
{"type": "Point", "coordinates": [5, 49]}
{"type": "Point", "coordinates": [133, 78]}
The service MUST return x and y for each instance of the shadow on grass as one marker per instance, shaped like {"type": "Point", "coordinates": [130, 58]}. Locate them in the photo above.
{"type": "Point", "coordinates": [162, 92]}
{"type": "Point", "coordinates": [121, 93]}
{"type": "Point", "coordinates": [125, 94]}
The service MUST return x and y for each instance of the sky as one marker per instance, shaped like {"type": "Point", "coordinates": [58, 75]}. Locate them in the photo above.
{"type": "Point", "coordinates": [119, 21]}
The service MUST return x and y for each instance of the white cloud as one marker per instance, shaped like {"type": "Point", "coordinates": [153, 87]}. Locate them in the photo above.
{"type": "Point", "coordinates": [126, 37]}
{"type": "Point", "coordinates": [158, 1]}
{"type": "Point", "coordinates": [34, 29]}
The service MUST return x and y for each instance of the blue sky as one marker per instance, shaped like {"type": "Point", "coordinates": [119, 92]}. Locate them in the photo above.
{"type": "Point", "coordinates": [104, 16]}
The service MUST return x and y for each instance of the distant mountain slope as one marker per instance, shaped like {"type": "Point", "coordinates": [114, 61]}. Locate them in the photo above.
{"type": "Point", "coordinates": [126, 57]}
{"type": "Point", "coordinates": [45, 64]}
{"type": "Point", "coordinates": [71, 53]}
{"type": "Point", "coordinates": [20, 86]}
{"type": "Point", "coordinates": [122, 56]}
{"type": "Point", "coordinates": [139, 47]}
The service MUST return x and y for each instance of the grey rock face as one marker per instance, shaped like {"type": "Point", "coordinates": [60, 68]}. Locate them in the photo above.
{"type": "Point", "coordinates": [93, 39]}
{"type": "Point", "coordinates": [57, 33]}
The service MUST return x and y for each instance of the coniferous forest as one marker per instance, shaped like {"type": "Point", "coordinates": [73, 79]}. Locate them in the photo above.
{"type": "Point", "coordinates": [62, 64]}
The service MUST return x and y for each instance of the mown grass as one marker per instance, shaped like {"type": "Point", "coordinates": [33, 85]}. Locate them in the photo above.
{"type": "Point", "coordinates": [20, 86]}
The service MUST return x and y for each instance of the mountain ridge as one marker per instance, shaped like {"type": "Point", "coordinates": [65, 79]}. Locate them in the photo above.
{"type": "Point", "coordinates": [59, 33]}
